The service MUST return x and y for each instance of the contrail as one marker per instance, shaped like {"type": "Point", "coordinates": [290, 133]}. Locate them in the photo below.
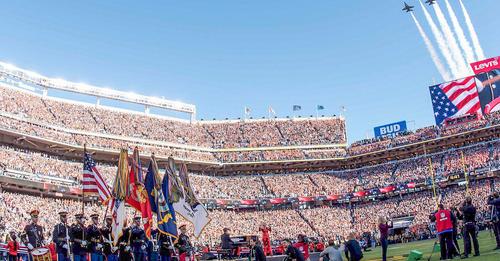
{"type": "Point", "coordinates": [456, 53]}
{"type": "Point", "coordinates": [464, 43]}
{"type": "Point", "coordinates": [432, 51]}
{"type": "Point", "coordinates": [473, 34]}
{"type": "Point", "coordinates": [441, 43]}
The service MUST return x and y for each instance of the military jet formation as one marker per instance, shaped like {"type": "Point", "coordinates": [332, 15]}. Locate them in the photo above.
{"type": "Point", "coordinates": [409, 8]}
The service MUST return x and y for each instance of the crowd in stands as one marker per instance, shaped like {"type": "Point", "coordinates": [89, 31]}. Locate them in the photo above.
{"type": "Point", "coordinates": [107, 128]}
{"type": "Point", "coordinates": [43, 164]}
{"type": "Point", "coordinates": [15, 208]}
{"type": "Point", "coordinates": [221, 134]}
{"type": "Point", "coordinates": [329, 222]}
{"type": "Point", "coordinates": [427, 133]}
{"type": "Point", "coordinates": [269, 185]}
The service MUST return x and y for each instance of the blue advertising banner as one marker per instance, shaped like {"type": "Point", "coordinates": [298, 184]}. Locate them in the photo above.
{"type": "Point", "coordinates": [390, 130]}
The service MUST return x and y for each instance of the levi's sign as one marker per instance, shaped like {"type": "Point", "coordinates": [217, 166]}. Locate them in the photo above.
{"type": "Point", "coordinates": [486, 65]}
{"type": "Point", "coordinates": [390, 130]}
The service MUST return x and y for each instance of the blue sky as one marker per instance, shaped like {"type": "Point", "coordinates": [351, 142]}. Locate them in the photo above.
{"type": "Point", "coordinates": [224, 55]}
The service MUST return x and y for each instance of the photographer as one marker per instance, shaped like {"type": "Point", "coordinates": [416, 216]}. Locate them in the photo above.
{"type": "Point", "coordinates": [456, 250]}
{"type": "Point", "coordinates": [332, 252]}
{"type": "Point", "coordinates": [468, 215]}
{"type": "Point", "coordinates": [494, 201]}
{"type": "Point", "coordinates": [256, 251]}
{"type": "Point", "coordinates": [292, 252]}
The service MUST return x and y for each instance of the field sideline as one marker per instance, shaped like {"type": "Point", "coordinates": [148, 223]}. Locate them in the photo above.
{"type": "Point", "coordinates": [396, 252]}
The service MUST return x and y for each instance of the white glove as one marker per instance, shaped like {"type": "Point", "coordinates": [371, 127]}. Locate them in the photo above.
{"type": "Point", "coordinates": [65, 246]}
{"type": "Point", "coordinates": [113, 249]}
{"type": "Point", "coordinates": [98, 246]}
{"type": "Point", "coordinates": [84, 243]}
{"type": "Point", "coordinates": [143, 247]}
{"type": "Point", "coordinates": [30, 246]}
{"type": "Point", "coordinates": [127, 248]}
{"type": "Point", "coordinates": [67, 238]}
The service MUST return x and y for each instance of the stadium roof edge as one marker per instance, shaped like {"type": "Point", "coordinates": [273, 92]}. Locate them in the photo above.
{"type": "Point", "coordinates": [82, 88]}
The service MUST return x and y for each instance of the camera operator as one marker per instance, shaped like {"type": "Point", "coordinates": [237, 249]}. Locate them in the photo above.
{"type": "Point", "coordinates": [468, 215]}
{"type": "Point", "coordinates": [494, 201]}
{"type": "Point", "coordinates": [293, 253]}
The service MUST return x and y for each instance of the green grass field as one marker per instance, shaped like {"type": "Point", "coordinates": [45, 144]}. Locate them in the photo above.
{"type": "Point", "coordinates": [396, 252]}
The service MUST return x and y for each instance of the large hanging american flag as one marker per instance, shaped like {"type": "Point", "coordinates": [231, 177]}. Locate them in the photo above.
{"type": "Point", "coordinates": [93, 183]}
{"type": "Point", "coordinates": [454, 99]}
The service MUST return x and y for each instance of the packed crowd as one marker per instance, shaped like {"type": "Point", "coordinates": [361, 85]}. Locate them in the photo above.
{"type": "Point", "coordinates": [38, 163]}
{"type": "Point", "coordinates": [427, 133]}
{"type": "Point", "coordinates": [15, 208]}
{"type": "Point", "coordinates": [217, 134]}
{"type": "Point", "coordinates": [334, 221]}
{"type": "Point", "coordinates": [77, 123]}
{"type": "Point", "coordinates": [266, 185]}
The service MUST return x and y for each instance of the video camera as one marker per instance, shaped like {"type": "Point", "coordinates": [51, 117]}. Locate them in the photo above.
{"type": "Point", "coordinates": [493, 196]}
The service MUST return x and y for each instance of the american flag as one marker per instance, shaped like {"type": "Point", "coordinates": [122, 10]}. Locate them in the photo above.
{"type": "Point", "coordinates": [93, 183]}
{"type": "Point", "coordinates": [454, 99]}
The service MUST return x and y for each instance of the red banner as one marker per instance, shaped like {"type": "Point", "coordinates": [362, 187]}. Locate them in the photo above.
{"type": "Point", "coordinates": [332, 197]}
{"type": "Point", "coordinates": [248, 202]}
{"type": "Point", "coordinates": [387, 189]}
{"type": "Point", "coordinates": [277, 200]}
{"type": "Point", "coordinates": [486, 65]}
{"type": "Point", "coordinates": [306, 199]}
{"type": "Point", "coordinates": [359, 194]}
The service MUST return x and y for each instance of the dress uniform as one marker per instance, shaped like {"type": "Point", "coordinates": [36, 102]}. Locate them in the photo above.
{"type": "Point", "coordinates": [60, 237]}
{"type": "Point", "coordinates": [77, 236]}
{"type": "Point", "coordinates": [138, 240]}
{"type": "Point", "coordinates": [95, 239]}
{"type": "Point", "coordinates": [166, 248]}
{"type": "Point", "coordinates": [124, 246]}
{"type": "Point", "coordinates": [33, 233]}
{"type": "Point", "coordinates": [184, 245]}
{"type": "Point", "coordinates": [108, 248]}
{"type": "Point", "coordinates": [153, 248]}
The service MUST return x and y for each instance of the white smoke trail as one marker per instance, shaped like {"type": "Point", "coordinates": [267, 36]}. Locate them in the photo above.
{"type": "Point", "coordinates": [462, 40]}
{"type": "Point", "coordinates": [432, 51]}
{"type": "Point", "coordinates": [441, 43]}
{"type": "Point", "coordinates": [473, 34]}
{"type": "Point", "coordinates": [456, 53]}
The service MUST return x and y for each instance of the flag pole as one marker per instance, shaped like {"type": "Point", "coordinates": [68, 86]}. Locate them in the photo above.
{"type": "Point", "coordinates": [466, 175]}
{"type": "Point", "coordinates": [83, 195]}
{"type": "Point", "coordinates": [432, 177]}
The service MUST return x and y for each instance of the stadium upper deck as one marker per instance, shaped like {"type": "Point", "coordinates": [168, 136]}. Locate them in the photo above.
{"type": "Point", "coordinates": [53, 125]}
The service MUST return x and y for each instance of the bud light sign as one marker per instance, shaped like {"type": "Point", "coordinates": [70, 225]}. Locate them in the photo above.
{"type": "Point", "coordinates": [390, 130]}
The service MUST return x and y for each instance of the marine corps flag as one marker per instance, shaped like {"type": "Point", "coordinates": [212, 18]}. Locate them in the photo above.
{"type": "Point", "coordinates": [138, 197]}
{"type": "Point", "coordinates": [165, 218]}
{"type": "Point", "coordinates": [183, 199]}
{"type": "Point", "coordinates": [120, 193]}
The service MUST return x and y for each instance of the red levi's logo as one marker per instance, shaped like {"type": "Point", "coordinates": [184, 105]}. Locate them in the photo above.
{"type": "Point", "coordinates": [486, 65]}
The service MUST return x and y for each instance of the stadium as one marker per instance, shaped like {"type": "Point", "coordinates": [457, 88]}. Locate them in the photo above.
{"type": "Point", "coordinates": [285, 177]}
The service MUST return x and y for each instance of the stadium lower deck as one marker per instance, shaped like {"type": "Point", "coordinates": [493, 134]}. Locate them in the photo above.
{"type": "Point", "coordinates": [296, 175]}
